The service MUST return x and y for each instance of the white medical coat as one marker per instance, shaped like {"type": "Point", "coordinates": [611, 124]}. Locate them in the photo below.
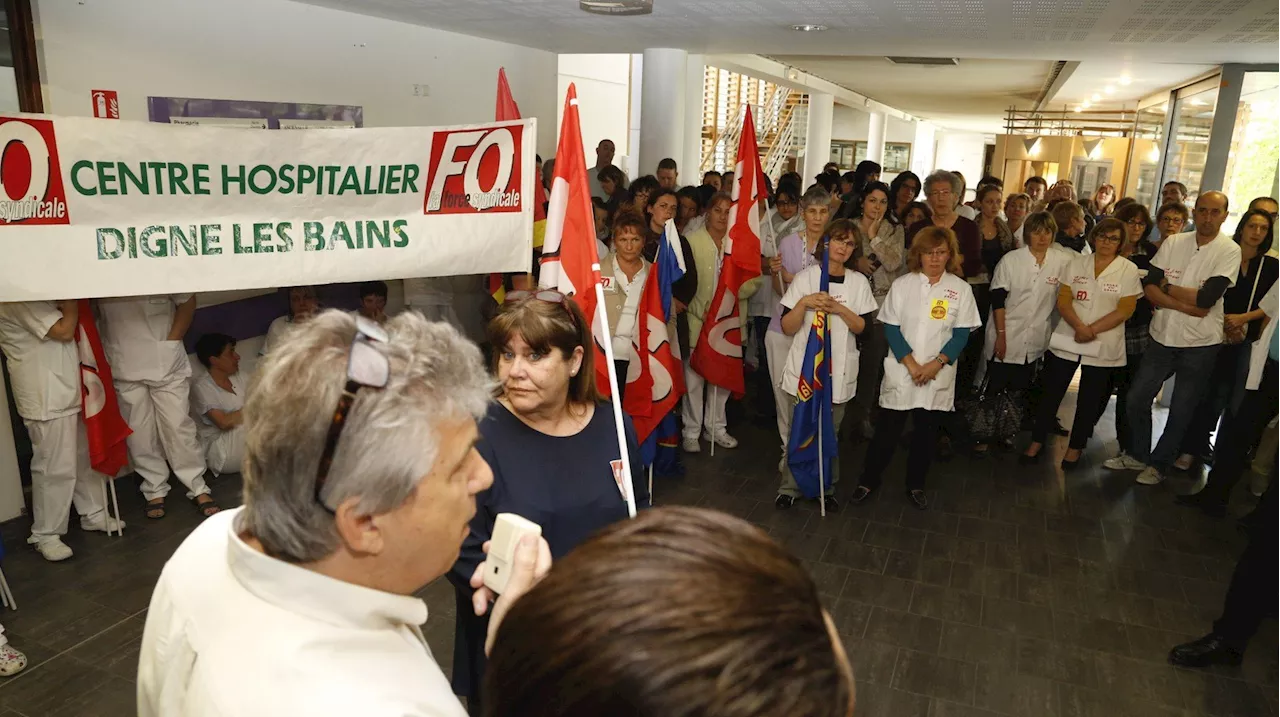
{"type": "Point", "coordinates": [135, 334]}
{"type": "Point", "coordinates": [1028, 312]}
{"type": "Point", "coordinates": [45, 373]}
{"type": "Point", "coordinates": [927, 314]}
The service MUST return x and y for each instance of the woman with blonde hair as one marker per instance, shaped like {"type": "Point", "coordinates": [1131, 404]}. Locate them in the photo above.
{"type": "Point", "coordinates": [1103, 202]}
{"type": "Point", "coordinates": [927, 318]}
{"type": "Point", "coordinates": [552, 446]}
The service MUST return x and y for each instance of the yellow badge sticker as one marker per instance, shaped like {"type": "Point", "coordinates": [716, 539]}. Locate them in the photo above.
{"type": "Point", "coordinates": [938, 309]}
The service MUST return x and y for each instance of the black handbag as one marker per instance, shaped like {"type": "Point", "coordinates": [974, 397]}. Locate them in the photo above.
{"type": "Point", "coordinates": [994, 415]}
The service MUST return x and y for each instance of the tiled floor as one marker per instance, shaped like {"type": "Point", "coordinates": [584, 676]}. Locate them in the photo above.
{"type": "Point", "coordinates": [1020, 592]}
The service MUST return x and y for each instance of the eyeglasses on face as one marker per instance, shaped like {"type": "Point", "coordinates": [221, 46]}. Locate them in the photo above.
{"type": "Point", "coordinates": [1108, 237]}
{"type": "Point", "coordinates": [938, 253]}
{"type": "Point", "coordinates": [367, 367]}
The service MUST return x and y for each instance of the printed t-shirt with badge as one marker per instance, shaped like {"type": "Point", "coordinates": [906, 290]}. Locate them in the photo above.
{"type": "Point", "coordinates": [1187, 264]}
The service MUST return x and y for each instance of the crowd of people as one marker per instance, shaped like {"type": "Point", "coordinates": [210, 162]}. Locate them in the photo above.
{"type": "Point", "coordinates": [378, 451]}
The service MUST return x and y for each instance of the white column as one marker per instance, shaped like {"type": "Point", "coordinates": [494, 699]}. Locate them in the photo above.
{"type": "Point", "coordinates": [922, 149]}
{"type": "Point", "coordinates": [817, 146]}
{"type": "Point", "coordinates": [690, 171]}
{"type": "Point", "coordinates": [632, 163]}
{"type": "Point", "coordinates": [662, 107]}
{"type": "Point", "coordinates": [875, 138]}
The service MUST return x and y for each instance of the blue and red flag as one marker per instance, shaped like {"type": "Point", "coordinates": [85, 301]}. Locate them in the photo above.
{"type": "Point", "coordinates": [655, 381]}
{"type": "Point", "coordinates": [812, 446]}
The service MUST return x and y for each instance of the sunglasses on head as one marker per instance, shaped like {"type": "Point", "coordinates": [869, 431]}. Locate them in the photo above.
{"type": "Point", "coordinates": [549, 296]}
{"type": "Point", "coordinates": [367, 367]}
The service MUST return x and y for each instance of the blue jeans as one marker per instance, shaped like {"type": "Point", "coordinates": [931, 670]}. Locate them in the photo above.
{"type": "Point", "coordinates": [1194, 369]}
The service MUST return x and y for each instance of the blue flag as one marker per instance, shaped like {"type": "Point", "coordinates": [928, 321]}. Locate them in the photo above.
{"type": "Point", "coordinates": [813, 435]}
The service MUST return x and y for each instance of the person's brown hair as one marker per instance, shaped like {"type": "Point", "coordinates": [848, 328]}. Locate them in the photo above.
{"type": "Point", "coordinates": [1064, 211]}
{"type": "Point", "coordinates": [628, 219]}
{"type": "Point", "coordinates": [930, 238]}
{"type": "Point", "coordinates": [1038, 222]}
{"type": "Point", "coordinates": [1106, 225]}
{"type": "Point", "coordinates": [843, 227]}
{"type": "Point", "coordinates": [681, 612]}
{"type": "Point", "coordinates": [1132, 210]}
{"type": "Point", "coordinates": [1176, 208]}
{"type": "Point", "coordinates": [545, 325]}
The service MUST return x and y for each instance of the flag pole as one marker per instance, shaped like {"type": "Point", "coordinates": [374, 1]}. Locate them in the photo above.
{"type": "Point", "coordinates": [650, 485]}
{"type": "Point", "coordinates": [615, 399]}
{"type": "Point", "coordinates": [822, 479]}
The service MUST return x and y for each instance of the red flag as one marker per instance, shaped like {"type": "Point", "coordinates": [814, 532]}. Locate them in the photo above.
{"type": "Point", "coordinates": [104, 426]}
{"type": "Point", "coordinates": [569, 260]}
{"type": "Point", "coordinates": [508, 110]}
{"type": "Point", "coordinates": [659, 375]}
{"type": "Point", "coordinates": [718, 355]}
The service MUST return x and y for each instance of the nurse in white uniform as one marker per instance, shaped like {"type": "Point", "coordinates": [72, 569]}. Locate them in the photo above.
{"type": "Point", "coordinates": [143, 339]}
{"type": "Point", "coordinates": [1098, 293]}
{"type": "Point", "coordinates": [303, 304]}
{"type": "Point", "coordinates": [39, 337]}
{"type": "Point", "coordinates": [217, 398]}
{"type": "Point", "coordinates": [1024, 291]}
{"type": "Point", "coordinates": [927, 318]}
{"type": "Point", "coordinates": [849, 303]}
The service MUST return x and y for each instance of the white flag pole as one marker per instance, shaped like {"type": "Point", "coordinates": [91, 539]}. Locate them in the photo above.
{"type": "Point", "coordinates": [822, 480]}
{"type": "Point", "coordinates": [615, 398]}
{"type": "Point", "coordinates": [651, 485]}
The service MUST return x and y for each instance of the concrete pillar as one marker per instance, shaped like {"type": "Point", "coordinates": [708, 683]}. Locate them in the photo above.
{"type": "Point", "coordinates": [817, 146]}
{"type": "Point", "coordinates": [690, 172]}
{"type": "Point", "coordinates": [631, 164]}
{"type": "Point", "coordinates": [662, 107]}
{"type": "Point", "coordinates": [875, 137]}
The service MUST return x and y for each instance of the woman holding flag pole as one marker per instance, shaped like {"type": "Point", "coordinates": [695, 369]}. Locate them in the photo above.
{"type": "Point", "coordinates": [927, 318]}
{"type": "Point", "coordinates": [831, 288]}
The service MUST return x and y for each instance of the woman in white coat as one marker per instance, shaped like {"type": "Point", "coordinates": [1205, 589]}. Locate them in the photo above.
{"type": "Point", "coordinates": [1024, 292]}
{"type": "Point", "coordinates": [1097, 293]}
{"type": "Point", "coordinates": [927, 318]}
{"type": "Point", "coordinates": [850, 304]}
{"type": "Point", "coordinates": [623, 273]}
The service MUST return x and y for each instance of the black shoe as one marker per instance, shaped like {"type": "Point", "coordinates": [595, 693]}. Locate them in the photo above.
{"type": "Point", "coordinates": [918, 499]}
{"type": "Point", "coordinates": [1027, 460]}
{"type": "Point", "coordinates": [860, 495]}
{"type": "Point", "coordinates": [1209, 650]}
{"type": "Point", "coordinates": [944, 449]}
{"type": "Point", "coordinates": [1068, 466]}
{"type": "Point", "coordinates": [783, 501]}
{"type": "Point", "coordinates": [832, 505]}
{"type": "Point", "coordinates": [1059, 430]}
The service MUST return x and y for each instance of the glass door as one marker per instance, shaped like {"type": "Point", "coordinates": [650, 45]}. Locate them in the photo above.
{"type": "Point", "coordinates": [1255, 144]}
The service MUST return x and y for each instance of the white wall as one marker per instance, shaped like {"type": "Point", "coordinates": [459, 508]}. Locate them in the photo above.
{"type": "Point", "coordinates": [275, 50]}
{"type": "Point", "coordinates": [852, 125]}
{"type": "Point", "coordinates": [604, 93]}
{"type": "Point", "coordinates": [961, 151]}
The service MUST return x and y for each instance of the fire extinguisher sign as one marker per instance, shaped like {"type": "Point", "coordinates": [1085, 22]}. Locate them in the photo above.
{"type": "Point", "coordinates": [105, 104]}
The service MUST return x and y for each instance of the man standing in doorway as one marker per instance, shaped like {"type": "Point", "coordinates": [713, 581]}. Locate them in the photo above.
{"type": "Point", "coordinates": [668, 175]}
{"type": "Point", "coordinates": [1188, 276]}
{"type": "Point", "coordinates": [604, 158]}
{"type": "Point", "coordinates": [1035, 187]}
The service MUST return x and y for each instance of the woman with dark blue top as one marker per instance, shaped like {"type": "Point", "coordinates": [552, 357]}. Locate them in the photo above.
{"type": "Point", "coordinates": [552, 446]}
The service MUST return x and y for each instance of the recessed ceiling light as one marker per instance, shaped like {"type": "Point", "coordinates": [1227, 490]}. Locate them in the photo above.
{"type": "Point", "coordinates": [1079, 109]}
{"type": "Point", "coordinates": [1086, 105]}
{"type": "Point", "coordinates": [1109, 90]}
{"type": "Point", "coordinates": [1125, 79]}
{"type": "Point", "coordinates": [1095, 97]}
{"type": "Point", "coordinates": [616, 7]}
{"type": "Point", "coordinates": [808, 28]}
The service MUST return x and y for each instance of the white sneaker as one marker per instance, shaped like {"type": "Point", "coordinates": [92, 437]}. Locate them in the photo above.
{"type": "Point", "coordinates": [691, 445]}
{"type": "Point", "coordinates": [1124, 462]}
{"type": "Point", "coordinates": [52, 548]}
{"type": "Point", "coordinates": [11, 661]}
{"type": "Point", "coordinates": [1150, 476]}
{"type": "Point", "coordinates": [103, 524]}
{"type": "Point", "coordinates": [724, 440]}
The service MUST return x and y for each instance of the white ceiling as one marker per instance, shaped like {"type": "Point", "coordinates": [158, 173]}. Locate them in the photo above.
{"type": "Point", "coordinates": [1145, 78]}
{"type": "Point", "coordinates": [1208, 31]}
{"type": "Point", "coordinates": [1006, 47]}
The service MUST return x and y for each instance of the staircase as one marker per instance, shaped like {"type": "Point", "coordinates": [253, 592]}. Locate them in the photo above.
{"type": "Point", "coordinates": [780, 114]}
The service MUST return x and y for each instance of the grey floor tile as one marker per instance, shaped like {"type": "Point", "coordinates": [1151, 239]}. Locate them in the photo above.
{"type": "Point", "coordinates": [880, 590]}
{"type": "Point", "coordinates": [51, 687]}
{"type": "Point", "coordinates": [1006, 692]}
{"type": "Point", "coordinates": [935, 676]}
{"type": "Point", "coordinates": [114, 650]}
{"type": "Point", "coordinates": [947, 604]}
{"type": "Point", "coordinates": [979, 645]}
{"type": "Point", "coordinates": [114, 698]}
{"type": "Point", "coordinates": [1091, 633]}
{"type": "Point", "coordinates": [872, 661]}
{"type": "Point", "coordinates": [884, 701]}
{"type": "Point", "coordinates": [907, 540]}
{"type": "Point", "coordinates": [1055, 661]}
{"type": "Point", "coordinates": [903, 629]}
{"type": "Point", "coordinates": [1017, 617]}
{"type": "Point", "coordinates": [855, 555]}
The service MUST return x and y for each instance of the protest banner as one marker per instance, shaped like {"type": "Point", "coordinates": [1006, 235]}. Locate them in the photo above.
{"type": "Point", "coordinates": [99, 209]}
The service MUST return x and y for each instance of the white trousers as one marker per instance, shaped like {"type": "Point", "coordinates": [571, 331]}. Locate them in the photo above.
{"type": "Point", "coordinates": [777, 346]}
{"type": "Point", "coordinates": [225, 454]}
{"type": "Point", "coordinates": [692, 410]}
{"type": "Point", "coordinates": [158, 413]}
{"type": "Point", "coordinates": [61, 475]}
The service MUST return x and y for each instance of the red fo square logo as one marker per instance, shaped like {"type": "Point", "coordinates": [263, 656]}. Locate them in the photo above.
{"type": "Point", "coordinates": [31, 189]}
{"type": "Point", "coordinates": [475, 170]}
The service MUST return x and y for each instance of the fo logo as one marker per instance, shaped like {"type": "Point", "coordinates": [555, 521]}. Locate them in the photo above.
{"type": "Point", "coordinates": [474, 171]}
{"type": "Point", "coordinates": [30, 177]}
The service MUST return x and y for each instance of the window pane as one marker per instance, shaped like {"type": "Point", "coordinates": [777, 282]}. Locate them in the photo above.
{"type": "Point", "coordinates": [1255, 144]}
{"type": "Point", "coordinates": [1192, 121]}
{"type": "Point", "coordinates": [1148, 140]}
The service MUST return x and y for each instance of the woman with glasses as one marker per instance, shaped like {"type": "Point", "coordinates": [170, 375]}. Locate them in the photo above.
{"type": "Point", "coordinates": [550, 443]}
{"type": "Point", "coordinates": [1170, 219]}
{"type": "Point", "coordinates": [849, 305]}
{"type": "Point", "coordinates": [1137, 330]}
{"type": "Point", "coordinates": [1242, 324]}
{"type": "Point", "coordinates": [640, 192]}
{"type": "Point", "coordinates": [927, 318]}
{"type": "Point", "coordinates": [903, 191]}
{"type": "Point", "coordinates": [1097, 293]}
